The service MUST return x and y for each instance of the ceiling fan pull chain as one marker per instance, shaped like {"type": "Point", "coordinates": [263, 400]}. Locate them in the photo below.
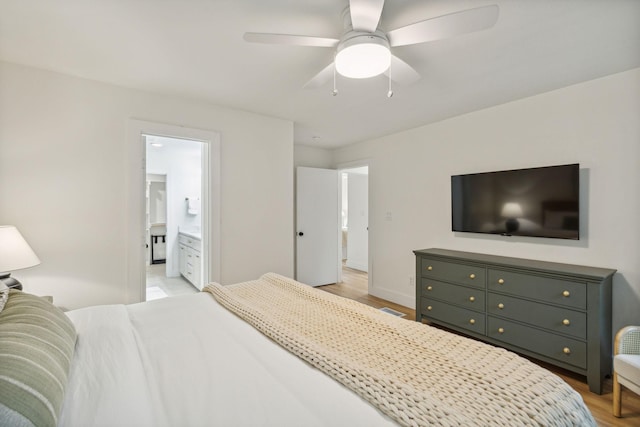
{"type": "Point", "coordinates": [390, 93]}
{"type": "Point", "coordinates": [335, 89]}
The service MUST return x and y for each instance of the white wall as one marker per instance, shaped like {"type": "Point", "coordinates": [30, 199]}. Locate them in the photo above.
{"type": "Point", "coordinates": [157, 200]}
{"type": "Point", "coordinates": [312, 157]}
{"type": "Point", "coordinates": [595, 124]}
{"type": "Point", "coordinates": [64, 173]}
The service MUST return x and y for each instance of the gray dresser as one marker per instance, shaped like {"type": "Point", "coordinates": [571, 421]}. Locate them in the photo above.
{"type": "Point", "coordinates": [556, 313]}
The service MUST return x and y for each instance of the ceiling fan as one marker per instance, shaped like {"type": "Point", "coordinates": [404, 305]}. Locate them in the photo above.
{"type": "Point", "coordinates": [364, 50]}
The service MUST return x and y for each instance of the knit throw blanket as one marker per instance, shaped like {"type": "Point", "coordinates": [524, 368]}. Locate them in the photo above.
{"type": "Point", "coordinates": [415, 374]}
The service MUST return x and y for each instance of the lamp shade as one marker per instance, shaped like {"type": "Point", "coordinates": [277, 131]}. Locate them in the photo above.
{"type": "Point", "coordinates": [511, 210]}
{"type": "Point", "coordinates": [15, 252]}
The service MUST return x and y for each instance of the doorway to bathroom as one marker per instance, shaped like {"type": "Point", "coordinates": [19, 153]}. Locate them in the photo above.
{"type": "Point", "coordinates": [137, 133]}
{"type": "Point", "coordinates": [173, 216]}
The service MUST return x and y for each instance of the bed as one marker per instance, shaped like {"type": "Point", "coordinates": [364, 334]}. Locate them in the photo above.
{"type": "Point", "coordinates": [269, 352]}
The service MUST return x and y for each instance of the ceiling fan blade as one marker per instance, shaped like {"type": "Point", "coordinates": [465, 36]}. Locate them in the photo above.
{"type": "Point", "coordinates": [401, 72]}
{"type": "Point", "coordinates": [290, 39]}
{"type": "Point", "coordinates": [445, 26]}
{"type": "Point", "coordinates": [365, 14]}
{"type": "Point", "coordinates": [321, 78]}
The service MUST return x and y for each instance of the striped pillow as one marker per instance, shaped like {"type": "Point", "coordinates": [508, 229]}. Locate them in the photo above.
{"type": "Point", "coordinates": [36, 347]}
{"type": "Point", "coordinates": [4, 294]}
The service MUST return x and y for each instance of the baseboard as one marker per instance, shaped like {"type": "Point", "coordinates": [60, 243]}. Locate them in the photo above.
{"type": "Point", "coordinates": [357, 265]}
{"type": "Point", "coordinates": [395, 297]}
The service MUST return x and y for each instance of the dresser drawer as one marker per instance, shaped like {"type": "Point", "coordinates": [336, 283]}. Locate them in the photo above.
{"type": "Point", "coordinates": [562, 349]}
{"type": "Point", "coordinates": [556, 319]}
{"type": "Point", "coordinates": [453, 315]}
{"type": "Point", "coordinates": [453, 272]}
{"type": "Point", "coordinates": [472, 298]}
{"type": "Point", "coordinates": [545, 289]}
{"type": "Point", "coordinates": [189, 241]}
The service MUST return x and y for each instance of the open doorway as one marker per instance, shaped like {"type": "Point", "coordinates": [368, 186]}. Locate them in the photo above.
{"type": "Point", "coordinates": [137, 132]}
{"type": "Point", "coordinates": [332, 226]}
{"type": "Point", "coordinates": [173, 217]}
{"type": "Point", "coordinates": [354, 231]}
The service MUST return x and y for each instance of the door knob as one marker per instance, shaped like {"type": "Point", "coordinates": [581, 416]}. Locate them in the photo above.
{"type": "Point", "coordinates": [300, 233]}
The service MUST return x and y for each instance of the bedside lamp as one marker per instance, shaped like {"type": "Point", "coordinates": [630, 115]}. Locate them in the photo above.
{"type": "Point", "coordinates": [512, 211]}
{"type": "Point", "coordinates": [15, 254]}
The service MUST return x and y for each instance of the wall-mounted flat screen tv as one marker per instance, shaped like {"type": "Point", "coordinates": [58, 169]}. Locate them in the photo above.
{"type": "Point", "coordinates": [538, 202]}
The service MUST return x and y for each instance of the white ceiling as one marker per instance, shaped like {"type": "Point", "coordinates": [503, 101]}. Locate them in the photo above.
{"type": "Point", "coordinates": [194, 49]}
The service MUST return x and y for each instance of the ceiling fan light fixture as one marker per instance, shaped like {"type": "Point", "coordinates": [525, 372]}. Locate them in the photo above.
{"type": "Point", "coordinates": [363, 56]}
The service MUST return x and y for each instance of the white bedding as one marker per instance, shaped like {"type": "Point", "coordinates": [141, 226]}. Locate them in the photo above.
{"type": "Point", "coordinates": [187, 361]}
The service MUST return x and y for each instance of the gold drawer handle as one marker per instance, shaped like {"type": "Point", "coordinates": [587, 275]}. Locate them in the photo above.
{"type": "Point", "coordinates": [472, 299]}
{"type": "Point", "coordinates": [566, 293]}
{"type": "Point", "coordinates": [472, 276]}
{"type": "Point", "coordinates": [566, 322]}
{"type": "Point", "coordinates": [429, 268]}
{"type": "Point", "coordinates": [472, 321]}
{"type": "Point", "coordinates": [501, 306]}
{"type": "Point", "coordinates": [566, 350]}
{"type": "Point", "coordinates": [429, 308]}
{"type": "Point", "coordinates": [501, 281]}
{"type": "Point", "coordinates": [501, 330]}
{"type": "Point", "coordinates": [429, 288]}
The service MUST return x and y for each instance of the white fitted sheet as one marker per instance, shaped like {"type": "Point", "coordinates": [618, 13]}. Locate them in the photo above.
{"type": "Point", "coordinates": [187, 361]}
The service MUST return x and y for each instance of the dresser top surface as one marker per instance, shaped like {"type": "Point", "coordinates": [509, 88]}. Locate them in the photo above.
{"type": "Point", "coordinates": [596, 273]}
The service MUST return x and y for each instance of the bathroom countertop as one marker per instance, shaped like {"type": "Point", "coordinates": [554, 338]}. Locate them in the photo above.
{"type": "Point", "coordinates": [192, 234]}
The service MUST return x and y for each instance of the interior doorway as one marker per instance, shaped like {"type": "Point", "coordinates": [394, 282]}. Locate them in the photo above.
{"type": "Point", "coordinates": [137, 132]}
{"type": "Point", "coordinates": [354, 232]}
{"type": "Point", "coordinates": [332, 227]}
{"type": "Point", "coordinates": [174, 238]}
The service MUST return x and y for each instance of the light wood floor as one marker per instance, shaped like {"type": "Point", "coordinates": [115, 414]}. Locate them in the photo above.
{"type": "Point", "coordinates": [354, 286]}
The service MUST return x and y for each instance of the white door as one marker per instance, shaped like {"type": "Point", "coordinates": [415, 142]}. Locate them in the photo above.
{"type": "Point", "coordinates": [317, 226]}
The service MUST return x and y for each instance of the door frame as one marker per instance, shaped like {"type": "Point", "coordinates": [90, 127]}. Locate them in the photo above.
{"type": "Point", "coordinates": [370, 237]}
{"type": "Point", "coordinates": [136, 181]}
